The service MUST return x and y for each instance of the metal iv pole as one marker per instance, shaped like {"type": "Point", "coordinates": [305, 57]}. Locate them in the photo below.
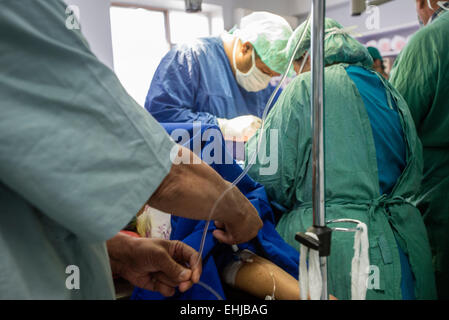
{"type": "Point", "coordinates": [317, 106]}
{"type": "Point", "coordinates": [317, 70]}
{"type": "Point", "coordinates": [319, 228]}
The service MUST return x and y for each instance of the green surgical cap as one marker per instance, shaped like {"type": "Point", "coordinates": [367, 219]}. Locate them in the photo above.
{"type": "Point", "coordinates": [339, 47]}
{"type": "Point", "coordinates": [269, 34]}
{"type": "Point", "coordinates": [375, 54]}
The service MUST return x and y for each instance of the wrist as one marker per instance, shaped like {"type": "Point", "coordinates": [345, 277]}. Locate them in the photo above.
{"type": "Point", "coordinates": [231, 202]}
{"type": "Point", "coordinates": [120, 250]}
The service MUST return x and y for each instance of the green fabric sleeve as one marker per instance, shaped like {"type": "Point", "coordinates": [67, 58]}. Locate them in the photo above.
{"type": "Point", "coordinates": [73, 143]}
{"type": "Point", "coordinates": [282, 130]}
{"type": "Point", "coordinates": [415, 80]}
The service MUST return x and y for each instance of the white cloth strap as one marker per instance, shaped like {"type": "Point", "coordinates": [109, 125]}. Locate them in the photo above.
{"type": "Point", "coordinates": [310, 280]}
{"type": "Point", "coordinates": [360, 263]}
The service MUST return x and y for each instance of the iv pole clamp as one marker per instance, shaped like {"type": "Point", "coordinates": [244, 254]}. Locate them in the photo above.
{"type": "Point", "coordinates": [317, 106]}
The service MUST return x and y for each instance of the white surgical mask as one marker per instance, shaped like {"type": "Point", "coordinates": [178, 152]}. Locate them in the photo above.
{"type": "Point", "coordinates": [254, 80]}
{"type": "Point", "coordinates": [439, 3]}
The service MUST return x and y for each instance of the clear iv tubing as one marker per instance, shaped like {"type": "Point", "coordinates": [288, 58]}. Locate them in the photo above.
{"type": "Point", "coordinates": [254, 155]}
{"type": "Point", "coordinates": [210, 289]}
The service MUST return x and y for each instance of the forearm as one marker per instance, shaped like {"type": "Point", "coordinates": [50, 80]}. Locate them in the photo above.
{"type": "Point", "coordinates": [170, 111]}
{"type": "Point", "coordinates": [120, 249]}
{"type": "Point", "coordinates": [191, 190]}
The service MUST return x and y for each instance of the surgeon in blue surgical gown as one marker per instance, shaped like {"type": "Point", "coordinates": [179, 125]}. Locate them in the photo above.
{"type": "Point", "coordinates": [222, 80]}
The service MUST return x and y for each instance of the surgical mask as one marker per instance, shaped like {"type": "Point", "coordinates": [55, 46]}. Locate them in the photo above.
{"type": "Point", "coordinates": [254, 80]}
{"type": "Point", "coordinates": [439, 3]}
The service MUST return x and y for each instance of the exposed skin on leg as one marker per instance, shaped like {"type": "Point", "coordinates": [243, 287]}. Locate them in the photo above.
{"type": "Point", "coordinates": [261, 278]}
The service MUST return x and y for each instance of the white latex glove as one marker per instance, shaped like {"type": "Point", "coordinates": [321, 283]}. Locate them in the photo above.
{"type": "Point", "coordinates": [240, 128]}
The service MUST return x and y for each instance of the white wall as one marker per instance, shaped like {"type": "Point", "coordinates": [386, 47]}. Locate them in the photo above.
{"type": "Point", "coordinates": [96, 27]}
{"type": "Point", "coordinates": [391, 14]}
{"type": "Point", "coordinates": [95, 20]}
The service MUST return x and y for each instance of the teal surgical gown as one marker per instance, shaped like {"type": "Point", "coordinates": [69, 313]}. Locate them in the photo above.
{"type": "Point", "coordinates": [194, 82]}
{"type": "Point", "coordinates": [358, 184]}
{"type": "Point", "coordinates": [78, 157]}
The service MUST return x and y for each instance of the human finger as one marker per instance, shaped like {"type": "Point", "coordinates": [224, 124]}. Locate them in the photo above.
{"type": "Point", "coordinates": [223, 236]}
{"type": "Point", "coordinates": [186, 255]}
{"type": "Point", "coordinates": [153, 284]}
{"type": "Point", "coordinates": [162, 277]}
{"type": "Point", "coordinates": [219, 225]}
{"type": "Point", "coordinates": [167, 261]}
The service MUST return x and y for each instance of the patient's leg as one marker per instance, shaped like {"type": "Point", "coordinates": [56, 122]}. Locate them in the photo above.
{"type": "Point", "coordinates": [261, 278]}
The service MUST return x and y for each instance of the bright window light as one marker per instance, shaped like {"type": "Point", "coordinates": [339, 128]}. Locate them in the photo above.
{"type": "Point", "coordinates": [185, 27]}
{"type": "Point", "coordinates": [139, 43]}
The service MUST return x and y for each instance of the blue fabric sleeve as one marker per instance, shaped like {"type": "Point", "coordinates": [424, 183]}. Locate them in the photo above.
{"type": "Point", "coordinates": [172, 92]}
{"type": "Point", "coordinates": [216, 256]}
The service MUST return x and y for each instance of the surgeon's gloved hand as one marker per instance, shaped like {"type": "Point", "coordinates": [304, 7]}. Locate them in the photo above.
{"type": "Point", "coordinates": [154, 264]}
{"type": "Point", "coordinates": [240, 128]}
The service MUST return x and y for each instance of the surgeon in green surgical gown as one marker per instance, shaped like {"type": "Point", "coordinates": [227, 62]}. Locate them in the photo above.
{"type": "Point", "coordinates": [421, 75]}
{"type": "Point", "coordinates": [373, 163]}
{"type": "Point", "coordinates": [78, 159]}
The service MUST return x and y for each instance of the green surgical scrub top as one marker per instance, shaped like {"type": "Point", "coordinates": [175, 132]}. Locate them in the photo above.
{"type": "Point", "coordinates": [421, 75]}
{"type": "Point", "coordinates": [78, 157]}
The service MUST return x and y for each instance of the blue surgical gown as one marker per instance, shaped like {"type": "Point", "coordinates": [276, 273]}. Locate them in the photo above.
{"type": "Point", "coordinates": [194, 82]}
{"type": "Point", "coordinates": [216, 256]}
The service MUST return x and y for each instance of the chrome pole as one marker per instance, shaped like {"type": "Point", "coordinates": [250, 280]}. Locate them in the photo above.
{"type": "Point", "coordinates": [317, 101]}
